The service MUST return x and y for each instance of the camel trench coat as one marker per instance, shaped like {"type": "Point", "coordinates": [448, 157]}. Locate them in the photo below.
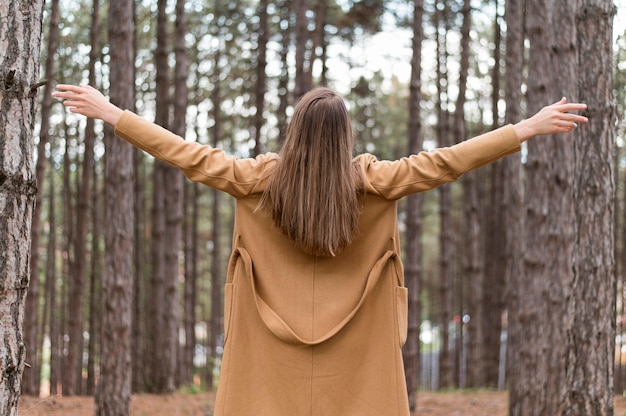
{"type": "Point", "coordinates": [309, 335]}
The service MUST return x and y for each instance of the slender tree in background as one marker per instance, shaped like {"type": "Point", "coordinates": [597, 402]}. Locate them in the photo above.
{"type": "Point", "coordinates": [302, 36]}
{"type": "Point", "coordinates": [261, 77]}
{"type": "Point", "coordinates": [74, 365]}
{"type": "Point", "coordinates": [215, 321]}
{"type": "Point", "coordinates": [283, 78]}
{"type": "Point", "coordinates": [318, 49]}
{"type": "Point", "coordinates": [159, 319]}
{"type": "Point", "coordinates": [86, 212]}
{"type": "Point", "coordinates": [173, 187]}
{"type": "Point", "coordinates": [32, 377]}
{"type": "Point", "coordinates": [184, 366]}
{"type": "Point", "coordinates": [114, 388]}
{"type": "Point", "coordinates": [413, 236]}
{"type": "Point", "coordinates": [19, 72]}
{"type": "Point", "coordinates": [493, 280]}
{"type": "Point", "coordinates": [458, 126]}
{"type": "Point", "coordinates": [190, 239]}
{"type": "Point", "coordinates": [513, 188]}
{"type": "Point", "coordinates": [141, 263]}
{"type": "Point", "coordinates": [51, 295]}
{"type": "Point", "coordinates": [445, 279]}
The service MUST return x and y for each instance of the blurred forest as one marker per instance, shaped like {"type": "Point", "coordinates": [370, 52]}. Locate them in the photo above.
{"type": "Point", "coordinates": [227, 73]}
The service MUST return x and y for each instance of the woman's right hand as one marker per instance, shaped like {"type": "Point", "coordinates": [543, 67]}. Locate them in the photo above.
{"type": "Point", "coordinates": [552, 119]}
{"type": "Point", "coordinates": [88, 101]}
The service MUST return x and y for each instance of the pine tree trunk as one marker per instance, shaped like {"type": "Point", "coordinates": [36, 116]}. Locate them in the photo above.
{"type": "Point", "coordinates": [19, 54]}
{"type": "Point", "coordinates": [446, 365]}
{"type": "Point", "coordinates": [260, 86]}
{"type": "Point", "coordinates": [459, 135]}
{"type": "Point", "coordinates": [114, 388]}
{"type": "Point", "coordinates": [216, 325]}
{"type": "Point", "coordinates": [302, 35]}
{"type": "Point", "coordinates": [568, 300]}
{"type": "Point", "coordinates": [182, 370]}
{"type": "Point", "coordinates": [413, 236]}
{"type": "Point", "coordinates": [32, 377]}
{"type": "Point", "coordinates": [591, 310]}
{"type": "Point", "coordinates": [513, 191]}
{"type": "Point", "coordinates": [95, 286]}
{"type": "Point", "coordinates": [493, 282]}
{"type": "Point", "coordinates": [51, 294]}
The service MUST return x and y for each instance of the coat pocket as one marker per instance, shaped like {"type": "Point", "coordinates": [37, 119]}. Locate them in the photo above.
{"type": "Point", "coordinates": [228, 306]}
{"type": "Point", "coordinates": [402, 312]}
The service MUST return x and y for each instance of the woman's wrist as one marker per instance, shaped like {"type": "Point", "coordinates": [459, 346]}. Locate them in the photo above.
{"type": "Point", "coordinates": [112, 114]}
{"type": "Point", "coordinates": [523, 130]}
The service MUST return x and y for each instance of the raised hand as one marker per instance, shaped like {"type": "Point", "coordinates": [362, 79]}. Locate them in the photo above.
{"type": "Point", "coordinates": [552, 119]}
{"type": "Point", "coordinates": [88, 101]}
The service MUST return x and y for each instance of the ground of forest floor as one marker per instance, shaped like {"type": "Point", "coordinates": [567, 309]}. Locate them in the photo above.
{"type": "Point", "coordinates": [449, 403]}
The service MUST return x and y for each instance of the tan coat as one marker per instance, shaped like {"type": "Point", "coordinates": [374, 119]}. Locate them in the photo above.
{"type": "Point", "coordinates": [307, 335]}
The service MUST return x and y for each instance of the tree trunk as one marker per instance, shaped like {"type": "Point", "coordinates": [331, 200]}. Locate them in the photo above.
{"type": "Point", "coordinates": [159, 343]}
{"type": "Point", "coordinates": [319, 41]}
{"type": "Point", "coordinates": [179, 126]}
{"type": "Point", "coordinates": [78, 271]}
{"type": "Point", "coordinates": [32, 377]}
{"type": "Point", "coordinates": [591, 310]}
{"type": "Point", "coordinates": [413, 236]}
{"type": "Point", "coordinates": [283, 79]}
{"type": "Point", "coordinates": [446, 364]}
{"type": "Point", "coordinates": [216, 325]}
{"type": "Point", "coordinates": [260, 86]}
{"type": "Point", "coordinates": [302, 35]}
{"type": "Point", "coordinates": [568, 298]}
{"type": "Point", "coordinates": [541, 359]}
{"type": "Point", "coordinates": [493, 281]}
{"type": "Point", "coordinates": [459, 134]}
{"type": "Point", "coordinates": [190, 238]}
{"type": "Point", "coordinates": [19, 54]}
{"type": "Point", "coordinates": [95, 285]}
{"type": "Point", "coordinates": [513, 191]}
{"type": "Point", "coordinates": [114, 389]}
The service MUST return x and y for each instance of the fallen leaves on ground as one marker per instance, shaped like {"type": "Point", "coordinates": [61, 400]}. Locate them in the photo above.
{"type": "Point", "coordinates": [449, 403]}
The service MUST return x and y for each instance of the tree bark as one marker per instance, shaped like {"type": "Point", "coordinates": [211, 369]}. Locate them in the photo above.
{"type": "Point", "coordinates": [493, 281]}
{"type": "Point", "coordinates": [513, 191]}
{"type": "Point", "coordinates": [302, 34]}
{"type": "Point", "coordinates": [19, 53]}
{"type": "Point", "coordinates": [32, 378]}
{"type": "Point", "coordinates": [260, 86]}
{"type": "Point", "coordinates": [446, 365]}
{"type": "Point", "coordinates": [412, 248]}
{"type": "Point", "coordinates": [216, 323]}
{"type": "Point", "coordinates": [114, 389]}
{"type": "Point", "coordinates": [179, 126]}
{"type": "Point", "coordinates": [591, 310]}
{"type": "Point", "coordinates": [51, 294]}
{"type": "Point", "coordinates": [569, 295]}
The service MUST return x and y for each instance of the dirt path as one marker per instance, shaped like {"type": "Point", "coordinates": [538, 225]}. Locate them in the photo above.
{"type": "Point", "coordinates": [469, 403]}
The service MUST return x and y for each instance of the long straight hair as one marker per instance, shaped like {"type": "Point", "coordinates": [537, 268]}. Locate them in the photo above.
{"type": "Point", "coordinates": [312, 193]}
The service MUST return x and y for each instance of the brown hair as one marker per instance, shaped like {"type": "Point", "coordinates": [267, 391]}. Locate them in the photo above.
{"type": "Point", "coordinates": [312, 192]}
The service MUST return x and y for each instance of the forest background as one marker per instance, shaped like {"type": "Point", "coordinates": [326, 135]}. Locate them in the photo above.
{"type": "Point", "coordinates": [415, 75]}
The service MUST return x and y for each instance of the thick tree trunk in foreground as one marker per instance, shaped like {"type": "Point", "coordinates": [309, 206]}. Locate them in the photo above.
{"type": "Point", "coordinates": [568, 300]}
{"type": "Point", "coordinates": [20, 40]}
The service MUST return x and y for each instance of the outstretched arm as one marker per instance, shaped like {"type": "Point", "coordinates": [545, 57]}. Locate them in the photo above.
{"type": "Point", "coordinates": [88, 101]}
{"type": "Point", "coordinates": [552, 119]}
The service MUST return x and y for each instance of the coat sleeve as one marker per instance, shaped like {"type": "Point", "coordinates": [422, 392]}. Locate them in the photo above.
{"type": "Point", "coordinates": [427, 170]}
{"type": "Point", "coordinates": [200, 163]}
